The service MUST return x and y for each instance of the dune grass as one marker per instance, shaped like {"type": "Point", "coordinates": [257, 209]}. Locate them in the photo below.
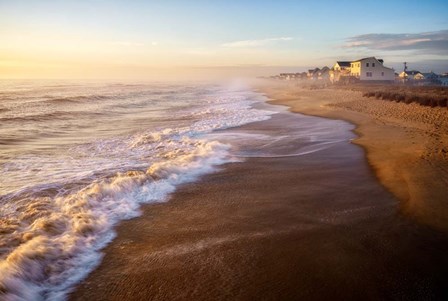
{"type": "Point", "coordinates": [425, 96]}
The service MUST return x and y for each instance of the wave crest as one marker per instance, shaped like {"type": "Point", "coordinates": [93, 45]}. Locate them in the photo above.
{"type": "Point", "coordinates": [60, 248]}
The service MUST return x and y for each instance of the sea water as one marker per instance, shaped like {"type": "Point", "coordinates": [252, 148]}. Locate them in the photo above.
{"type": "Point", "coordinates": [76, 158]}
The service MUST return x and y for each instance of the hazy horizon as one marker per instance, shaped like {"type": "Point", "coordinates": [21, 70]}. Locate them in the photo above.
{"type": "Point", "coordinates": [95, 39]}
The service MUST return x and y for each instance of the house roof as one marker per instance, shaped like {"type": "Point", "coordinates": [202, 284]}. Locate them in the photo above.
{"type": "Point", "coordinates": [315, 70]}
{"type": "Point", "coordinates": [370, 57]}
{"type": "Point", "coordinates": [412, 72]}
{"type": "Point", "coordinates": [426, 74]}
{"type": "Point", "coordinates": [343, 63]}
{"type": "Point", "coordinates": [325, 70]}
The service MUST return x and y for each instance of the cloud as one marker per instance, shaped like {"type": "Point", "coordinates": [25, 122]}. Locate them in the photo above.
{"type": "Point", "coordinates": [435, 42]}
{"type": "Point", "coordinates": [255, 43]}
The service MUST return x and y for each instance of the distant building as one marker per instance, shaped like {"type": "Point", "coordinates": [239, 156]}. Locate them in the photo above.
{"type": "Point", "coordinates": [366, 69]}
{"type": "Point", "coordinates": [340, 69]}
{"type": "Point", "coordinates": [293, 76]}
{"type": "Point", "coordinates": [443, 78]}
{"type": "Point", "coordinates": [342, 66]}
{"type": "Point", "coordinates": [313, 73]}
{"type": "Point", "coordinates": [421, 78]}
{"type": "Point", "coordinates": [430, 76]}
{"type": "Point", "coordinates": [411, 75]}
{"type": "Point", "coordinates": [371, 69]}
{"type": "Point", "coordinates": [324, 73]}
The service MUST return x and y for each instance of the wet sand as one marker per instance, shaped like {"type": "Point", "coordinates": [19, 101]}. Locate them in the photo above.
{"type": "Point", "coordinates": [405, 144]}
{"type": "Point", "coordinates": [311, 227]}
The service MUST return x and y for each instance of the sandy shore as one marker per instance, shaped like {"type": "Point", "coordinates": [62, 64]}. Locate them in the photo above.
{"type": "Point", "coordinates": [406, 144]}
{"type": "Point", "coordinates": [317, 226]}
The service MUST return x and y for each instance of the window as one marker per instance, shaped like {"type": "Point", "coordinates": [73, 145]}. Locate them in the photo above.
{"type": "Point", "coordinates": [373, 64]}
{"type": "Point", "coordinates": [369, 74]}
{"type": "Point", "coordinates": [382, 73]}
{"type": "Point", "coordinates": [367, 64]}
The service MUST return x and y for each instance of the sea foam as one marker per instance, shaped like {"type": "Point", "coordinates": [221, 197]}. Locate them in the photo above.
{"type": "Point", "coordinates": [55, 225]}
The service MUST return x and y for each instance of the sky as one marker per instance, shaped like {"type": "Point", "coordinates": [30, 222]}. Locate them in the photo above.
{"type": "Point", "coordinates": [155, 39]}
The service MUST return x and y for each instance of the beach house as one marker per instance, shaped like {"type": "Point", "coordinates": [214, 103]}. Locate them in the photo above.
{"type": "Point", "coordinates": [324, 73]}
{"type": "Point", "coordinates": [430, 76]}
{"type": "Point", "coordinates": [443, 81]}
{"type": "Point", "coordinates": [371, 69]}
{"type": "Point", "coordinates": [341, 68]}
{"type": "Point", "coordinates": [313, 73]}
{"type": "Point", "coordinates": [421, 78]}
{"type": "Point", "coordinates": [411, 75]}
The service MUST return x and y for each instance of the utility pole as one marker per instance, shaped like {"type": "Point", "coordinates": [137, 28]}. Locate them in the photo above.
{"type": "Point", "coordinates": [405, 76]}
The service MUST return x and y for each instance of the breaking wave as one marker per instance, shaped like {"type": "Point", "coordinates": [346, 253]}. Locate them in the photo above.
{"type": "Point", "coordinates": [54, 225]}
{"type": "Point", "coordinates": [57, 239]}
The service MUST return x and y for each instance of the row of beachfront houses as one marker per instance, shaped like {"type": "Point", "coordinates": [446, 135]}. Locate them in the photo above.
{"type": "Point", "coordinates": [366, 69]}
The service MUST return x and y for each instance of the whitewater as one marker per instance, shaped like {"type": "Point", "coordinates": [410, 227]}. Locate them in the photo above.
{"type": "Point", "coordinates": [76, 158]}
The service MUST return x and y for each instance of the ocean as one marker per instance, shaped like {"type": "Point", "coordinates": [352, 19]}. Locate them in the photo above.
{"type": "Point", "coordinates": [77, 158]}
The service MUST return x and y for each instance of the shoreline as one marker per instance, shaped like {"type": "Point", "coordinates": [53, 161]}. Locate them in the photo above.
{"type": "Point", "coordinates": [407, 153]}
{"type": "Point", "coordinates": [312, 227]}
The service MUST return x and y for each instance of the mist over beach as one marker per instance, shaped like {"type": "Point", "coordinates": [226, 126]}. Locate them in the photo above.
{"type": "Point", "coordinates": [236, 150]}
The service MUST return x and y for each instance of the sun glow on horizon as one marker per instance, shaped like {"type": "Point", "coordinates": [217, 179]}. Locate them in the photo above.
{"type": "Point", "coordinates": [96, 39]}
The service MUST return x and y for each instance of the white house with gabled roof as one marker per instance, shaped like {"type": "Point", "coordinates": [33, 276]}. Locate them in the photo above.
{"type": "Point", "coordinates": [341, 66]}
{"type": "Point", "coordinates": [371, 69]}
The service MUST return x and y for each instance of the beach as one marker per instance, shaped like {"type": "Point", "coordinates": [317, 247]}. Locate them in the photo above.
{"type": "Point", "coordinates": [223, 150]}
{"type": "Point", "coordinates": [405, 144]}
{"type": "Point", "coordinates": [360, 219]}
